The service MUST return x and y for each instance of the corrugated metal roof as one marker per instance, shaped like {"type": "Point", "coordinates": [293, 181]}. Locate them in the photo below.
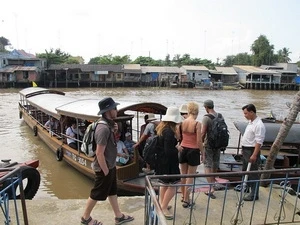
{"type": "Point", "coordinates": [226, 70]}
{"type": "Point", "coordinates": [194, 67]}
{"type": "Point", "coordinates": [253, 69]}
{"type": "Point", "coordinates": [215, 72]}
{"type": "Point", "coordinates": [18, 54]}
{"type": "Point", "coordinates": [11, 69]}
{"type": "Point", "coordinates": [160, 69]}
{"type": "Point", "coordinates": [132, 67]}
{"type": "Point", "coordinates": [87, 67]}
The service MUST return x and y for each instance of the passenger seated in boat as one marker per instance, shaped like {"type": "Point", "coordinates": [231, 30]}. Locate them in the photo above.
{"type": "Point", "coordinates": [122, 153]}
{"type": "Point", "coordinates": [52, 125]}
{"type": "Point", "coordinates": [129, 144]}
{"type": "Point", "coordinates": [71, 133]}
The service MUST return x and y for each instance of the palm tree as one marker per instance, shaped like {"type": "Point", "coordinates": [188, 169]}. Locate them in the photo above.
{"type": "Point", "coordinates": [283, 132]}
{"type": "Point", "coordinates": [285, 54]}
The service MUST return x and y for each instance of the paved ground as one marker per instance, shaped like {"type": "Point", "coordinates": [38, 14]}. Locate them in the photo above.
{"type": "Point", "coordinates": [67, 212]}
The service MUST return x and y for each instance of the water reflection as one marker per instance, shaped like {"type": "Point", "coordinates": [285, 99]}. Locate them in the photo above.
{"type": "Point", "coordinates": [61, 181]}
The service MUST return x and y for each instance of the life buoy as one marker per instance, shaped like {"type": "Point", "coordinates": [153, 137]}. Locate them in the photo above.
{"type": "Point", "coordinates": [20, 114]}
{"type": "Point", "coordinates": [59, 154]}
{"type": "Point", "coordinates": [31, 180]}
{"type": "Point", "coordinates": [35, 130]}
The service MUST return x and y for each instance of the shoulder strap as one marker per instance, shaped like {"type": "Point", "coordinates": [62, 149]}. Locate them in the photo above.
{"type": "Point", "coordinates": [195, 131]}
{"type": "Point", "coordinates": [210, 116]}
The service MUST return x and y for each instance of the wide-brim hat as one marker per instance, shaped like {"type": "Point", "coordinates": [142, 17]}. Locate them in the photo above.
{"type": "Point", "coordinates": [151, 117]}
{"type": "Point", "coordinates": [172, 115]}
{"type": "Point", "coordinates": [183, 108]}
{"type": "Point", "coordinates": [107, 104]}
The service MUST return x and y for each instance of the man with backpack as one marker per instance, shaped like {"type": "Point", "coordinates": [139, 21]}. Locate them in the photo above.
{"type": "Point", "coordinates": [215, 137]}
{"type": "Point", "coordinates": [104, 166]}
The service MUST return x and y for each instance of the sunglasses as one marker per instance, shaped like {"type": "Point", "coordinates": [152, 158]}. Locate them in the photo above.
{"type": "Point", "coordinates": [183, 114]}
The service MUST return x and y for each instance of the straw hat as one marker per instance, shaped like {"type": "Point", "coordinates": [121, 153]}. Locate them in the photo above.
{"type": "Point", "coordinates": [183, 108]}
{"type": "Point", "coordinates": [172, 115]}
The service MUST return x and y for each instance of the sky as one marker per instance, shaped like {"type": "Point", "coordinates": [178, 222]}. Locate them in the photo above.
{"type": "Point", "coordinates": [206, 29]}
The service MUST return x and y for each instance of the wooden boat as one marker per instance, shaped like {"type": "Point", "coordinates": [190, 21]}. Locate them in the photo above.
{"type": "Point", "coordinates": [29, 173]}
{"type": "Point", "coordinates": [37, 105]}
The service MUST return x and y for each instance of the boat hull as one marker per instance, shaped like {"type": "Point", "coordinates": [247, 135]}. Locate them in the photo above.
{"type": "Point", "coordinates": [80, 161]}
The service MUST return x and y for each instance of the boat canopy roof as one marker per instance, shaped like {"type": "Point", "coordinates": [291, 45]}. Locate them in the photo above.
{"type": "Point", "coordinates": [48, 103]}
{"type": "Point", "coordinates": [87, 109]}
{"type": "Point", "coordinates": [56, 104]}
{"type": "Point", "coordinates": [272, 129]}
{"type": "Point", "coordinates": [32, 91]}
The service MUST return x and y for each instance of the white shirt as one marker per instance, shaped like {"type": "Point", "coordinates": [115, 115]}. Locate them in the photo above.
{"type": "Point", "coordinates": [120, 147]}
{"type": "Point", "coordinates": [254, 133]}
{"type": "Point", "coordinates": [72, 132]}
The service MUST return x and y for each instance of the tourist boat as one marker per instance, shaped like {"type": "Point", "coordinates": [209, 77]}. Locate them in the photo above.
{"type": "Point", "coordinates": [30, 176]}
{"type": "Point", "coordinates": [37, 105]}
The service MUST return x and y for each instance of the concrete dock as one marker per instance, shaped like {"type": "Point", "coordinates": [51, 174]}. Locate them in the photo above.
{"type": "Point", "coordinates": [66, 212]}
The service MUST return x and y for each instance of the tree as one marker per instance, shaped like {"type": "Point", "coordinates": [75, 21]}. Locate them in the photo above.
{"type": "Point", "coordinates": [283, 55]}
{"type": "Point", "coordinates": [263, 52]}
{"type": "Point", "coordinates": [74, 60]}
{"type": "Point", "coordinates": [3, 42]}
{"type": "Point", "coordinates": [110, 60]}
{"type": "Point", "coordinates": [239, 59]}
{"type": "Point", "coordinates": [283, 132]}
{"type": "Point", "coordinates": [167, 60]}
{"type": "Point", "coordinates": [145, 61]}
{"type": "Point", "coordinates": [54, 56]}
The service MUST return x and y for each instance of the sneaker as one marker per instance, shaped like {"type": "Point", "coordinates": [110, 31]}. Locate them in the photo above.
{"type": "Point", "coordinates": [239, 188]}
{"type": "Point", "coordinates": [250, 198]}
{"type": "Point", "coordinates": [218, 187]}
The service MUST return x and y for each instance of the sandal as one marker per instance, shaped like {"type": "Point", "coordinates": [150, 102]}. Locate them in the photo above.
{"type": "Point", "coordinates": [210, 194]}
{"type": "Point", "coordinates": [187, 204]}
{"type": "Point", "coordinates": [123, 219]}
{"type": "Point", "coordinates": [168, 216]}
{"type": "Point", "coordinates": [87, 222]}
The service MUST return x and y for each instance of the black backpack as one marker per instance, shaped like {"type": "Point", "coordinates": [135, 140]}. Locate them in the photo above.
{"type": "Point", "coordinates": [217, 134]}
{"type": "Point", "coordinates": [150, 150]}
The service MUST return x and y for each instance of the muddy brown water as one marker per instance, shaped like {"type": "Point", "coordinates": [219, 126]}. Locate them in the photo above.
{"type": "Point", "coordinates": [58, 180]}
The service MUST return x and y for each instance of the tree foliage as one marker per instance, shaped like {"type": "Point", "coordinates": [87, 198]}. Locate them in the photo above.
{"type": "Point", "coordinates": [54, 56]}
{"type": "Point", "coordinates": [110, 60]}
{"type": "Point", "coordinates": [146, 61]}
{"type": "Point", "coordinates": [263, 51]}
{"type": "Point", "coordinates": [283, 55]}
{"type": "Point", "coordinates": [74, 60]}
{"type": "Point", "coordinates": [239, 59]}
{"type": "Point", "coordinates": [3, 42]}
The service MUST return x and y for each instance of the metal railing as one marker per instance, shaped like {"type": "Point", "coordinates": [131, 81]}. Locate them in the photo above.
{"type": "Point", "coordinates": [8, 185]}
{"type": "Point", "coordinates": [277, 203]}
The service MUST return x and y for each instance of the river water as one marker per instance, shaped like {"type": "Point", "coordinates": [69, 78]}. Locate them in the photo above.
{"type": "Point", "coordinates": [58, 180]}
